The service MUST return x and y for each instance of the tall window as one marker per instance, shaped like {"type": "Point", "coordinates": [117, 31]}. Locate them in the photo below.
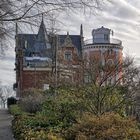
{"type": "Point", "coordinates": [106, 37]}
{"type": "Point", "coordinates": [87, 78]}
{"type": "Point", "coordinates": [26, 44]}
{"type": "Point", "coordinates": [68, 55]}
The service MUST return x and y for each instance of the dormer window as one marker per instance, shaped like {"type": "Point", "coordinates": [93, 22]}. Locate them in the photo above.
{"type": "Point", "coordinates": [68, 55]}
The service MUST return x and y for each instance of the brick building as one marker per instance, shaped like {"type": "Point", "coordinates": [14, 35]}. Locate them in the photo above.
{"type": "Point", "coordinates": [105, 50]}
{"type": "Point", "coordinates": [44, 59]}
{"type": "Point", "coordinates": [37, 63]}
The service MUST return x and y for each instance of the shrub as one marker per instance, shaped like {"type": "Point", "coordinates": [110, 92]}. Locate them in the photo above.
{"type": "Point", "coordinates": [11, 101]}
{"type": "Point", "coordinates": [109, 126]}
{"type": "Point", "coordinates": [32, 101]}
{"type": "Point", "coordinates": [61, 113]}
{"type": "Point", "coordinates": [15, 110]}
{"type": "Point", "coordinates": [33, 127]}
{"type": "Point", "coordinates": [40, 134]}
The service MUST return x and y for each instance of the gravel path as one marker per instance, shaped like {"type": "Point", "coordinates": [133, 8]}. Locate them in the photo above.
{"type": "Point", "coordinates": [5, 125]}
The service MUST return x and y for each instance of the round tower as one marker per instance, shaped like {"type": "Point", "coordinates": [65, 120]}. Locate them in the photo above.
{"type": "Point", "coordinates": [103, 48]}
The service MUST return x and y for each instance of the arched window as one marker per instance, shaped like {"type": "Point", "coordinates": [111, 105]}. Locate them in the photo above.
{"type": "Point", "coordinates": [110, 62]}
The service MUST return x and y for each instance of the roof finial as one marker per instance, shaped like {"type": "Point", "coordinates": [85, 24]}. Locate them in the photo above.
{"type": "Point", "coordinates": [67, 33]}
{"type": "Point", "coordinates": [16, 28]}
{"type": "Point", "coordinates": [81, 30]}
{"type": "Point", "coordinates": [42, 17]}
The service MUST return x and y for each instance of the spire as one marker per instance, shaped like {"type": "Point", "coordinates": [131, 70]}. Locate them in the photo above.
{"type": "Point", "coordinates": [81, 30]}
{"type": "Point", "coordinates": [42, 33]}
{"type": "Point", "coordinates": [68, 41]}
{"type": "Point", "coordinates": [67, 33]}
{"type": "Point", "coordinates": [16, 38]}
{"type": "Point", "coordinates": [16, 28]}
{"type": "Point", "coordinates": [42, 41]}
{"type": "Point", "coordinates": [82, 40]}
{"type": "Point", "coordinates": [42, 17]}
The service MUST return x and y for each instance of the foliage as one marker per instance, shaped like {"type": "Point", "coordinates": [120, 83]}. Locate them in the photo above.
{"type": "Point", "coordinates": [40, 134]}
{"type": "Point", "coordinates": [15, 110]}
{"type": "Point", "coordinates": [66, 114]}
{"type": "Point", "coordinates": [93, 99]}
{"type": "Point", "coordinates": [61, 109]}
{"type": "Point", "coordinates": [11, 101]}
{"type": "Point", "coordinates": [32, 101]}
{"type": "Point", "coordinates": [107, 89]}
{"type": "Point", "coordinates": [26, 127]}
{"type": "Point", "coordinates": [109, 126]}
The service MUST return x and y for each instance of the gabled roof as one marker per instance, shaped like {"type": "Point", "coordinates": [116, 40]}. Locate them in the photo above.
{"type": "Point", "coordinates": [39, 44]}
{"type": "Point", "coordinates": [76, 41]}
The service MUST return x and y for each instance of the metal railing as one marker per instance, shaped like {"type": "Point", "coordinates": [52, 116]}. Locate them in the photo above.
{"type": "Point", "coordinates": [103, 41]}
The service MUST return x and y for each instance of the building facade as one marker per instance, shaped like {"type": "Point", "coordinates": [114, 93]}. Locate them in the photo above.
{"type": "Point", "coordinates": [46, 59]}
{"type": "Point", "coordinates": [105, 50]}
{"type": "Point", "coordinates": [38, 65]}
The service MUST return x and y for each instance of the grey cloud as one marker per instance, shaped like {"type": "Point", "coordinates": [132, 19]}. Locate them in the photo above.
{"type": "Point", "coordinates": [122, 16]}
{"type": "Point", "coordinates": [7, 74]}
{"type": "Point", "coordinates": [123, 9]}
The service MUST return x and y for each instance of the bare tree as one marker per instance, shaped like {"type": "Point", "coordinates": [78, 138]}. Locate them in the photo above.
{"type": "Point", "coordinates": [5, 92]}
{"type": "Point", "coordinates": [17, 10]}
{"type": "Point", "coordinates": [29, 12]}
{"type": "Point", "coordinates": [108, 87]}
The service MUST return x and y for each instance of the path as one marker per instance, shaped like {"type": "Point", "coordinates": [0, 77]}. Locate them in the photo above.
{"type": "Point", "coordinates": [5, 125]}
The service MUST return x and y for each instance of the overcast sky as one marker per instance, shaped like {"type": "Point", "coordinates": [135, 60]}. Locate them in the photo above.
{"type": "Point", "coordinates": [122, 16]}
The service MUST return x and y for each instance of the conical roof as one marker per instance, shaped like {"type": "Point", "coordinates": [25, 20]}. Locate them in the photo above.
{"type": "Point", "coordinates": [42, 43]}
{"type": "Point", "coordinates": [42, 33]}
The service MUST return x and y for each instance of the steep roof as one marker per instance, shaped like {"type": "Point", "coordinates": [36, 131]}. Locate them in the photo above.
{"type": "Point", "coordinates": [42, 43]}
{"type": "Point", "coordinates": [42, 35]}
{"type": "Point", "coordinates": [76, 41]}
{"type": "Point", "coordinates": [30, 39]}
{"type": "Point", "coordinates": [39, 44]}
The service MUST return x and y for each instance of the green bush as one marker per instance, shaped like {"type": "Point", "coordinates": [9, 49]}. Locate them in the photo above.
{"type": "Point", "coordinates": [35, 127]}
{"type": "Point", "coordinates": [66, 115]}
{"type": "Point", "coordinates": [15, 110]}
{"type": "Point", "coordinates": [61, 113]}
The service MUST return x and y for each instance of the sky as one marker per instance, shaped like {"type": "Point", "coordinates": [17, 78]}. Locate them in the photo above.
{"type": "Point", "coordinates": [122, 16]}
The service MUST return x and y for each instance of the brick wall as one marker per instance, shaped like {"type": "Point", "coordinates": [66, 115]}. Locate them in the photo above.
{"type": "Point", "coordinates": [34, 79]}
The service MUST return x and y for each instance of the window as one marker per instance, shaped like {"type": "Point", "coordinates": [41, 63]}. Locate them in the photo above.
{"type": "Point", "coordinates": [110, 62]}
{"type": "Point", "coordinates": [26, 44]}
{"type": "Point", "coordinates": [87, 78]}
{"type": "Point", "coordinates": [106, 37]}
{"type": "Point", "coordinates": [68, 55]}
{"type": "Point", "coordinates": [110, 51]}
{"type": "Point", "coordinates": [46, 87]}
